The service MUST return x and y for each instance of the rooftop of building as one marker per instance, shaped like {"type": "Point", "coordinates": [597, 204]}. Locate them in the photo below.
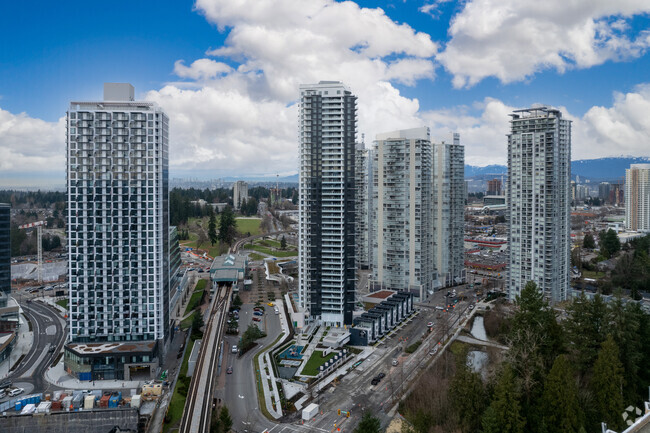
{"type": "Point", "coordinates": [382, 294]}
{"type": "Point", "coordinates": [112, 347]}
{"type": "Point", "coordinates": [227, 267]}
{"type": "Point", "coordinates": [541, 111]}
{"type": "Point", "coordinates": [421, 133]}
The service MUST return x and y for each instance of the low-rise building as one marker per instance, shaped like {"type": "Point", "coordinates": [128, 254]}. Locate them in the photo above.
{"type": "Point", "coordinates": [229, 269]}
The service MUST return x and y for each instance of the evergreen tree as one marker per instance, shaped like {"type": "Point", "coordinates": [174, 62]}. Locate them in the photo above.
{"type": "Point", "coordinates": [490, 421]}
{"type": "Point", "coordinates": [283, 243]}
{"type": "Point", "coordinates": [562, 413]}
{"type": "Point", "coordinates": [625, 327]}
{"type": "Point", "coordinates": [609, 243]}
{"type": "Point", "coordinates": [607, 384]}
{"type": "Point", "coordinates": [227, 226]}
{"type": "Point", "coordinates": [212, 229]}
{"type": "Point", "coordinates": [225, 419]}
{"type": "Point", "coordinates": [588, 241]}
{"type": "Point", "coordinates": [368, 424]}
{"type": "Point", "coordinates": [585, 330]}
{"type": "Point", "coordinates": [505, 404]}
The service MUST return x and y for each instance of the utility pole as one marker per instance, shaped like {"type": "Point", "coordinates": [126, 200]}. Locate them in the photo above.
{"type": "Point", "coordinates": [39, 245]}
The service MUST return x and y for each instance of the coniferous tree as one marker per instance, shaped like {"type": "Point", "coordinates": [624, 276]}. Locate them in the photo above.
{"type": "Point", "coordinates": [560, 407]}
{"type": "Point", "coordinates": [505, 403]}
{"type": "Point", "coordinates": [607, 384]}
{"type": "Point", "coordinates": [368, 424]}
{"type": "Point", "coordinates": [467, 395]}
{"type": "Point", "coordinates": [225, 420]}
{"type": "Point", "coordinates": [212, 230]}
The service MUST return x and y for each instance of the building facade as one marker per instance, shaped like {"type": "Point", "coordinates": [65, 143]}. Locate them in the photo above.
{"type": "Point", "coordinates": [363, 197]}
{"type": "Point", "coordinates": [118, 220]}
{"type": "Point", "coordinates": [402, 212]}
{"type": "Point", "coordinates": [539, 173]}
{"type": "Point", "coordinates": [637, 197]}
{"type": "Point", "coordinates": [327, 131]}
{"type": "Point", "coordinates": [449, 196]}
{"type": "Point", "coordinates": [494, 187]}
{"type": "Point", "coordinates": [239, 193]}
{"type": "Point", "coordinates": [5, 253]}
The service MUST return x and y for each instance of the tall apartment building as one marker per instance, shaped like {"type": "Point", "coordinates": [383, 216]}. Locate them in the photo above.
{"type": "Point", "coordinates": [327, 132]}
{"type": "Point", "coordinates": [363, 163]}
{"type": "Point", "coordinates": [118, 220]}
{"type": "Point", "coordinates": [5, 253]}
{"type": "Point", "coordinates": [637, 197]}
{"type": "Point", "coordinates": [449, 195]}
{"type": "Point", "coordinates": [402, 212]}
{"type": "Point", "coordinates": [603, 191]}
{"type": "Point", "coordinates": [539, 174]}
{"type": "Point", "coordinates": [494, 187]}
{"type": "Point", "coordinates": [239, 193]}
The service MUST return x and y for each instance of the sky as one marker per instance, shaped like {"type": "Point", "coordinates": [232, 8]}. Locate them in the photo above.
{"type": "Point", "coordinates": [227, 73]}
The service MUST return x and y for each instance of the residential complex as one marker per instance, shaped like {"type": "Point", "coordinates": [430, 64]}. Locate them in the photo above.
{"type": "Point", "coordinates": [538, 197]}
{"type": "Point", "coordinates": [449, 194]}
{"type": "Point", "coordinates": [402, 212]}
{"type": "Point", "coordinates": [327, 131]}
{"type": "Point", "coordinates": [637, 197]}
{"type": "Point", "coordinates": [363, 196]}
{"type": "Point", "coordinates": [119, 270]}
{"type": "Point", "coordinates": [494, 187]}
{"type": "Point", "coordinates": [239, 193]}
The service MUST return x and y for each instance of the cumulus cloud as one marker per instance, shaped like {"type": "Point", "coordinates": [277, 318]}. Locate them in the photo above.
{"type": "Point", "coordinates": [513, 39]}
{"type": "Point", "coordinates": [31, 145]}
{"type": "Point", "coordinates": [242, 119]}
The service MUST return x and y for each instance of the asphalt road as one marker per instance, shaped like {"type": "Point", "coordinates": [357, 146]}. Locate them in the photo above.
{"type": "Point", "coordinates": [49, 331]}
{"type": "Point", "coordinates": [238, 391]}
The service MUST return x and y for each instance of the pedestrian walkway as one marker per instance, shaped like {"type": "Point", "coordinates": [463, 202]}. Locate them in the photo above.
{"type": "Point", "coordinates": [24, 342]}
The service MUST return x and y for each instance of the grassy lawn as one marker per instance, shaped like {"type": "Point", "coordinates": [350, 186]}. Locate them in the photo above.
{"type": "Point", "coordinates": [315, 361]}
{"type": "Point", "coordinates": [270, 243]}
{"type": "Point", "coordinates": [265, 250]}
{"type": "Point", "coordinates": [254, 256]}
{"type": "Point", "coordinates": [175, 411]}
{"type": "Point", "coordinates": [187, 322]}
{"type": "Point", "coordinates": [245, 226]}
{"type": "Point", "coordinates": [63, 303]}
{"type": "Point", "coordinates": [592, 274]}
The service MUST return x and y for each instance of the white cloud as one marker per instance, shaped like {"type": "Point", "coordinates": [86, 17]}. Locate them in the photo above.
{"type": "Point", "coordinates": [243, 119]}
{"type": "Point", "coordinates": [31, 145]}
{"type": "Point", "coordinates": [514, 39]}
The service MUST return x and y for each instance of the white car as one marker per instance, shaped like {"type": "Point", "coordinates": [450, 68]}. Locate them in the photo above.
{"type": "Point", "coordinates": [395, 362]}
{"type": "Point", "coordinates": [14, 392]}
{"type": "Point", "coordinates": [234, 348]}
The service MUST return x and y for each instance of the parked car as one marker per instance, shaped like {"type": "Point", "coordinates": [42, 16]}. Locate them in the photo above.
{"type": "Point", "coordinates": [234, 349]}
{"type": "Point", "coordinates": [375, 380]}
{"type": "Point", "coordinates": [270, 304]}
{"type": "Point", "coordinates": [52, 349]}
{"type": "Point", "coordinates": [433, 351]}
{"type": "Point", "coordinates": [5, 384]}
{"type": "Point", "coordinates": [381, 376]}
{"type": "Point", "coordinates": [258, 313]}
{"type": "Point", "coordinates": [14, 392]}
{"type": "Point", "coordinates": [3, 394]}
{"type": "Point", "coordinates": [229, 370]}
{"type": "Point", "coordinates": [471, 306]}
{"type": "Point", "coordinates": [257, 319]}
{"type": "Point", "coordinates": [430, 325]}
{"type": "Point", "coordinates": [395, 363]}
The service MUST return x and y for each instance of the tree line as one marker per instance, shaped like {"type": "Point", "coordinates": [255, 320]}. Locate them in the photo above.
{"type": "Point", "coordinates": [557, 376]}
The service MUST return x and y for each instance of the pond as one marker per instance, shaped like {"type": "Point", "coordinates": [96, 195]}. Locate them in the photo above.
{"type": "Point", "coordinates": [478, 329]}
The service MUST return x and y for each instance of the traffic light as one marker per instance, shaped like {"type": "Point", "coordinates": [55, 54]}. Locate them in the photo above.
{"type": "Point", "coordinates": [339, 412]}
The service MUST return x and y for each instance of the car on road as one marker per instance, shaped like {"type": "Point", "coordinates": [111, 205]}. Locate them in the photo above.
{"type": "Point", "coordinates": [471, 306]}
{"type": "Point", "coordinates": [438, 307]}
{"type": "Point", "coordinates": [433, 351]}
{"type": "Point", "coordinates": [270, 304]}
{"type": "Point", "coordinates": [395, 363]}
{"type": "Point", "coordinates": [381, 376]}
{"type": "Point", "coordinates": [3, 394]}
{"type": "Point", "coordinates": [5, 384]}
{"type": "Point", "coordinates": [229, 370]}
{"type": "Point", "coordinates": [14, 392]}
{"type": "Point", "coordinates": [234, 349]}
{"type": "Point", "coordinates": [430, 325]}
{"type": "Point", "coordinates": [375, 380]}
{"type": "Point", "coordinates": [52, 349]}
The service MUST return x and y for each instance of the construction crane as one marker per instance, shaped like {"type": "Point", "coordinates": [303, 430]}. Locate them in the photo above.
{"type": "Point", "coordinates": [39, 245]}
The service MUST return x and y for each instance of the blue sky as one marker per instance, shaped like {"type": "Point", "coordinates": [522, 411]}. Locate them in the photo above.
{"type": "Point", "coordinates": [453, 66]}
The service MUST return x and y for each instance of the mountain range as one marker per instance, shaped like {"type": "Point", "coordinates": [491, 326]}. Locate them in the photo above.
{"type": "Point", "coordinates": [602, 169]}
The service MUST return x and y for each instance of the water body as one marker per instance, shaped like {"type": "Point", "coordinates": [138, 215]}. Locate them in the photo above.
{"type": "Point", "coordinates": [478, 329]}
{"type": "Point", "coordinates": [477, 361]}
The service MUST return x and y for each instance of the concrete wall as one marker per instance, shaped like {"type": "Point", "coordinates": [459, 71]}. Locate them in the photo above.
{"type": "Point", "coordinates": [72, 422]}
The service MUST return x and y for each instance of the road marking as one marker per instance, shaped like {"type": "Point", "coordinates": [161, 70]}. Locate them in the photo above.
{"type": "Point", "coordinates": [241, 396]}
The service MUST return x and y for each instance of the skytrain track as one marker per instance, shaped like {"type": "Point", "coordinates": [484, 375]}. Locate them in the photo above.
{"type": "Point", "coordinates": [198, 406]}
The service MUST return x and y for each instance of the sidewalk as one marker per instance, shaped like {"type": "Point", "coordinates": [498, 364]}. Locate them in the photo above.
{"type": "Point", "coordinates": [58, 377]}
{"type": "Point", "coordinates": [24, 342]}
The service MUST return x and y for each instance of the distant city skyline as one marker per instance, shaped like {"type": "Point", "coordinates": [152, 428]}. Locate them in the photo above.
{"type": "Point", "coordinates": [226, 73]}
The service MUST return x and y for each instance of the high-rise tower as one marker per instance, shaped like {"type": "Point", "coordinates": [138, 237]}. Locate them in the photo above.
{"type": "Point", "coordinates": [363, 207]}
{"type": "Point", "coordinates": [402, 212]}
{"type": "Point", "coordinates": [637, 197]}
{"type": "Point", "coordinates": [539, 174]}
{"type": "Point", "coordinates": [327, 130]}
{"type": "Point", "coordinates": [449, 195]}
{"type": "Point", "coordinates": [118, 220]}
